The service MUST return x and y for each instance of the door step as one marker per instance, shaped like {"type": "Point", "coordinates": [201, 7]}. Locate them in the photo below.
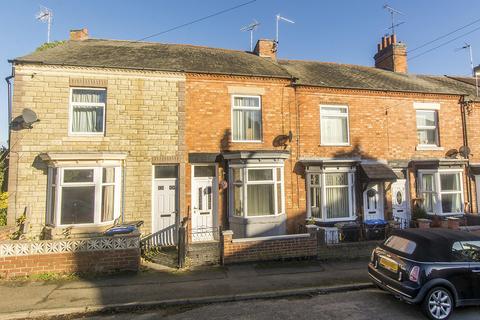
{"type": "Point", "coordinates": [165, 256]}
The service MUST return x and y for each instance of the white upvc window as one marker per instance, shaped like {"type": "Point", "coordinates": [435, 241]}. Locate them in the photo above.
{"type": "Point", "coordinates": [442, 191]}
{"type": "Point", "coordinates": [334, 125]}
{"type": "Point", "coordinates": [83, 195]}
{"type": "Point", "coordinates": [256, 191]}
{"type": "Point", "coordinates": [331, 195]}
{"type": "Point", "coordinates": [427, 127]}
{"type": "Point", "coordinates": [246, 118]}
{"type": "Point", "coordinates": [87, 111]}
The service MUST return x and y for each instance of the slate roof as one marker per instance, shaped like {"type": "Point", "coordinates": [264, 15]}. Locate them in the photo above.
{"type": "Point", "coordinates": [155, 56]}
{"type": "Point", "coordinates": [377, 172]}
{"type": "Point", "coordinates": [198, 59]}
{"type": "Point", "coordinates": [335, 75]}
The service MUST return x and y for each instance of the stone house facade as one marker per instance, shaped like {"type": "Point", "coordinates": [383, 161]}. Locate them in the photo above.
{"type": "Point", "coordinates": [232, 139]}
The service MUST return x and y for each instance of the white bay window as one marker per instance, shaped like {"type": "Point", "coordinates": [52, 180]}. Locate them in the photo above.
{"type": "Point", "coordinates": [442, 191]}
{"type": "Point", "coordinates": [256, 191]}
{"type": "Point", "coordinates": [83, 195]}
{"type": "Point", "coordinates": [330, 195]}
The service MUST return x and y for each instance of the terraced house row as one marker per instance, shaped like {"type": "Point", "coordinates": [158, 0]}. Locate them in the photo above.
{"type": "Point", "coordinates": [234, 140]}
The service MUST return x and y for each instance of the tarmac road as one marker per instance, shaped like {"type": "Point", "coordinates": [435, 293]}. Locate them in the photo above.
{"type": "Point", "coordinates": [354, 305]}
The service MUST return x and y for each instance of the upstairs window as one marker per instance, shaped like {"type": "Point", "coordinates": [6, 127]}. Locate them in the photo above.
{"type": "Point", "coordinates": [427, 124]}
{"type": "Point", "coordinates": [334, 125]}
{"type": "Point", "coordinates": [246, 118]}
{"type": "Point", "coordinates": [87, 111]}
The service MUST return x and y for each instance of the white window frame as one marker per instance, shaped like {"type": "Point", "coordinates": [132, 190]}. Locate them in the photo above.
{"type": "Point", "coordinates": [323, 115]}
{"type": "Point", "coordinates": [275, 181]}
{"type": "Point", "coordinates": [259, 108]}
{"type": "Point", "coordinates": [437, 192]}
{"type": "Point", "coordinates": [98, 183]}
{"type": "Point", "coordinates": [351, 194]}
{"type": "Point", "coordinates": [427, 107]}
{"type": "Point", "coordinates": [73, 104]}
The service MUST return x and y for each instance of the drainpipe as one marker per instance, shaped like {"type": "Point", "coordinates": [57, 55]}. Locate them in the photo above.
{"type": "Point", "coordinates": [9, 101]}
{"type": "Point", "coordinates": [463, 105]}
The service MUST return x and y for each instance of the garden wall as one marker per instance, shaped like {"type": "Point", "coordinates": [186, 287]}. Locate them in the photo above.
{"type": "Point", "coordinates": [89, 255]}
{"type": "Point", "coordinates": [268, 248]}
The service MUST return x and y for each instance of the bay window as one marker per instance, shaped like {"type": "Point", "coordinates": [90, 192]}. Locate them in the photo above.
{"type": "Point", "coordinates": [442, 191]}
{"type": "Point", "coordinates": [334, 125]}
{"type": "Point", "coordinates": [87, 111]}
{"type": "Point", "coordinates": [246, 118]}
{"type": "Point", "coordinates": [83, 195]}
{"type": "Point", "coordinates": [256, 191]}
{"type": "Point", "coordinates": [330, 195]}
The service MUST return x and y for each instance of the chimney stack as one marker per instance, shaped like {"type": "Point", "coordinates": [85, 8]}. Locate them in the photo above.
{"type": "Point", "coordinates": [266, 48]}
{"type": "Point", "coordinates": [391, 55]}
{"type": "Point", "coordinates": [80, 34]}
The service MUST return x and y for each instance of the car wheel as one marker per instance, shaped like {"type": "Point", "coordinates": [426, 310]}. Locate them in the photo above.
{"type": "Point", "coordinates": [438, 304]}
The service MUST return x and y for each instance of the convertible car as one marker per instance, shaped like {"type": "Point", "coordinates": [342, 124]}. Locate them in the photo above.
{"type": "Point", "coordinates": [437, 268]}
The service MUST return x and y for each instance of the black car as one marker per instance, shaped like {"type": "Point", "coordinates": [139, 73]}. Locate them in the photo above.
{"type": "Point", "coordinates": [439, 268]}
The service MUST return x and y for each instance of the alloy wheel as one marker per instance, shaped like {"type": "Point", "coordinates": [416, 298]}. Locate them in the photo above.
{"type": "Point", "coordinates": [440, 304]}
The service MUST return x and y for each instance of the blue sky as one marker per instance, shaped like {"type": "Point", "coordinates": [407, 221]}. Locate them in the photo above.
{"type": "Point", "coordinates": [340, 31]}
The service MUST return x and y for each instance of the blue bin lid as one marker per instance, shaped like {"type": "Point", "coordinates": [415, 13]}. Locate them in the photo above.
{"type": "Point", "coordinates": [375, 222]}
{"type": "Point", "coordinates": [120, 230]}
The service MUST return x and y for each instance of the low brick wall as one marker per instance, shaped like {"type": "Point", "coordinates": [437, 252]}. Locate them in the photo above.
{"type": "Point", "coordinates": [203, 253]}
{"type": "Point", "coordinates": [346, 250]}
{"type": "Point", "coordinates": [268, 248]}
{"type": "Point", "coordinates": [6, 232]}
{"type": "Point", "coordinates": [91, 255]}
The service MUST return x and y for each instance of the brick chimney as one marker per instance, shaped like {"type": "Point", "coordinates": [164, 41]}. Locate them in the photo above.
{"type": "Point", "coordinates": [391, 55]}
{"type": "Point", "coordinates": [80, 34]}
{"type": "Point", "coordinates": [266, 48]}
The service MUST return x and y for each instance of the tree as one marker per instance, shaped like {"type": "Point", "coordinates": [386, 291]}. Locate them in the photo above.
{"type": "Point", "coordinates": [3, 186]}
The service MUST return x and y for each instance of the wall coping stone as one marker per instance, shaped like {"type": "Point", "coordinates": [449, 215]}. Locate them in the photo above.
{"type": "Point", "coordinates": [269, 238]}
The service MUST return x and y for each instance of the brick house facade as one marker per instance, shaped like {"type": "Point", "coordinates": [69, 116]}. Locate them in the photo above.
{"type": "Point", "coordinates": [233, 139]}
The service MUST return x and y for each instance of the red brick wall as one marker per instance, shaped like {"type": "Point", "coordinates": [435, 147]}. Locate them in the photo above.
{"type": "Point", "coordinates": [208, 123]}
{"type": "Point", "coordinates": [242, 250]}
{"type": "Point", "coordinates": [68, 262]}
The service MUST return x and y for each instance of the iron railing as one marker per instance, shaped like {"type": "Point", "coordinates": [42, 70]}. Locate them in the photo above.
{"type": "Point", "coordinates": [205, 234]}
{"type": "Point", "coordinates": [163, 238]}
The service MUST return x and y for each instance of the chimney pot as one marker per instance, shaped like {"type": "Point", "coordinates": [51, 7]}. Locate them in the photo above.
{"type": "Point", "coordinates": [384, 43]}
{"type": "Point", "coordinates": [394, 38]}
{"type": "Point", "coordinates": [389, 41]}
{"type": "Point", "coordinates": [79, 34]}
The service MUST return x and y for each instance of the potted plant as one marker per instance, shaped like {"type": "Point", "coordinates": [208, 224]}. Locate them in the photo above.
{"type": "Point", "coordinates": [421, 217]}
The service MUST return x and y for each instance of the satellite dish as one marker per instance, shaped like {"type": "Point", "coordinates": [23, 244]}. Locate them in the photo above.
{"type": "Point", "coordinates": [452, 153]}
{"type": "Point", "coordinates": [464, 151]}
{"type": "Point", "coordinates": [29, 116]}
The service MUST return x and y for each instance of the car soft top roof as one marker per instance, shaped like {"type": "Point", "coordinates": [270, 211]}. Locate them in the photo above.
{"type": "Point", "coordinates": [433, 245]}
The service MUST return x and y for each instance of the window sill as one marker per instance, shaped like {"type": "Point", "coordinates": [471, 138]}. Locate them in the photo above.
{"type": "Point", "coordinates": [85, 138]}
{"type": "Point", "coordinates": [335, 145]}
{"type": "Point", "coordinates": [353, 218]}
{"type": "Point", "coordinates": [246, 141]}
{"type": "Point", "coordinates": [429, 148]}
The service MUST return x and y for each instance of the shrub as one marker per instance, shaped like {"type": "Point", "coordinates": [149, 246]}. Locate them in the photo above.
{"type": "Point", "coordinates": [419, 213]}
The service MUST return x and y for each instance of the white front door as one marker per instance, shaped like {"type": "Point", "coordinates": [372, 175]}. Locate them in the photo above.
{"type": "Point", "coordinates": [204, 197]}
{"type": "Point", "coordinates": [373, 202]}
{"type": "Point", "coordinates": [400, 203]}
{"type": "Point", "coordinates": [165, 211]}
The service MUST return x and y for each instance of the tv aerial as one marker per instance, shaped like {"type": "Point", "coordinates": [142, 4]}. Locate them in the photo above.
{"type": "Point", "coordinates": [251, 27]}
{"type": "Point", "coordinates": [468, 47]}
{"type": "Point", "coordinates": [278, 17]}
{"type": "Point", "coordinates": [45, 15]}
{"type": "Point", "coordinates": [393, 12]}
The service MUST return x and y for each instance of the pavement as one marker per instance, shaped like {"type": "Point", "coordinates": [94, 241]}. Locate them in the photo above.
{"type": "Point", "coordinates": [167, 287]}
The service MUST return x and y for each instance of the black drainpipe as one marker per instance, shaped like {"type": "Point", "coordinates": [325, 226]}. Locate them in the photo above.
{"type": "Point", "coordinates": [464, 105]}
{"type": "Point", "coordinates": [9, 101]}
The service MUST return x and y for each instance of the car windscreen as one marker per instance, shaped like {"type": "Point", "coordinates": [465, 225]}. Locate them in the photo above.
{"type": "Point", "coordinates": [401, 244]}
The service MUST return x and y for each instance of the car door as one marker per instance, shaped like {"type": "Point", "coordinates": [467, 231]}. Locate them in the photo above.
{"type": "Point", "coordinates": [472, 251]}
{"type": "Point", "coordinates": [466, 258]}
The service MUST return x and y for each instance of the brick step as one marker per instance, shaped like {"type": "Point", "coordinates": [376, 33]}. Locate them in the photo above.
{"type": "Point", "coordinates": [204, 253]}
{"type": "Point", "coordinates": [165, 256]}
